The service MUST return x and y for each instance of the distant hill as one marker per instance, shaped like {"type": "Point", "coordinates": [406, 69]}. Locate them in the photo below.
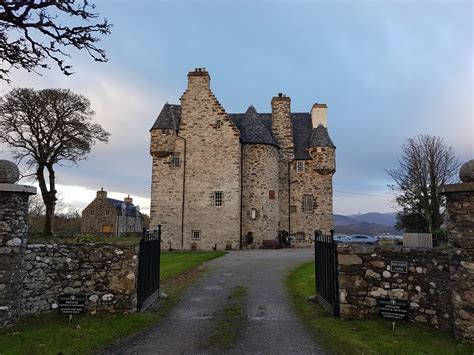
{"type": "Point", "coordinates": [385, 219]}
{"type": "Point", "coordinates": [372, 223]}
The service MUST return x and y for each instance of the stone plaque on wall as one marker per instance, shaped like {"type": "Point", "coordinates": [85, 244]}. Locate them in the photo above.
{"type": "Point", "coordinates": [399, 266]}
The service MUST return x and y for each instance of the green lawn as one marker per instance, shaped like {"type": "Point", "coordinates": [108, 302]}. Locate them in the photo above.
{"type": "Point", "coordinates": [364, 336]}
{"type": "Point", "coordinates": [51, 333]}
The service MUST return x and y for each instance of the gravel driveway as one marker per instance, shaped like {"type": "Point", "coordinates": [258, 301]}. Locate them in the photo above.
{"type": "Point", "coordinates": [272, 326]}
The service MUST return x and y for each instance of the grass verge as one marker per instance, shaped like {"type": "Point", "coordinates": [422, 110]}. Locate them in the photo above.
{"type": "Point", "coordinates": [52, 334]}
{"type": "Point", "coordinates": [363, 336]}
{"type": "Point", "coordinates": [230, 322]}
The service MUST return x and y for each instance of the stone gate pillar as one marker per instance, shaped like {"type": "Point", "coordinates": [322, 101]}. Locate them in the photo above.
{"type": "Point", "coordinates": [460, 208]}
{"type": "Point", "coordinates": [13, 231]}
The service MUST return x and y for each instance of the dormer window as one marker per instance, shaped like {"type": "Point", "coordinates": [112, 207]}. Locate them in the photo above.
{"type": "Point", "coordinates": [218, 124]}
{"type": "Point", "coordinates": [300, 166]}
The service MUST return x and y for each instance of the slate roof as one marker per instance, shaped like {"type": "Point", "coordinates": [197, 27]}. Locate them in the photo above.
{"type": "Point", "coordinates": [130, 209]}
{"type": "Point", "coordinates": [256, 128]}
{"type": "Point", "coordinates": [169, 117]}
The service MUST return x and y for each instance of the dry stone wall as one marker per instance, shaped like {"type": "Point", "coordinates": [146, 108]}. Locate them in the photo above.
{"type": "Point", "coordinates": [105, 273]}
{"type": "Point", "coordinates": [365, 276]}
{"type": "Point", "coordinates": [260, 177]}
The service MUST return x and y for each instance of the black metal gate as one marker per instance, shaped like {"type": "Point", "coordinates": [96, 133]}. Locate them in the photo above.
{"type": "Point", "coordinates": [148, 285]}
{"type": "Point", "coordinates": [327, 285]}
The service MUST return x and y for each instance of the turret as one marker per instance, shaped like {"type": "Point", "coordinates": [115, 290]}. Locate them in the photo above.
{"type": "Point", "coordinates": [163, 133]}
{"type": "Point", "coordinates": [321, 148]}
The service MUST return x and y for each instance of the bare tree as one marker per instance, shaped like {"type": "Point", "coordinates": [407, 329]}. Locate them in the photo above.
{"type": "Point", "coordinates": [31, 33]}
{"type": "Point", "coordinates": [48, 128]}
{"type": "Point", "coordinates": [426, 163]}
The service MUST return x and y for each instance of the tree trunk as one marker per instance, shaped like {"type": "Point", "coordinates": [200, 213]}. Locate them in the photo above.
{"type": "Point", "coordinates": [49, 197]}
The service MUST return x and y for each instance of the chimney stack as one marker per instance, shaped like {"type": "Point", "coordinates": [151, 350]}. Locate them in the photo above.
{"type": "Point", "coordinates": [102, 194]}
{"type": "Point", "coordinates": [128, 199]}
{"type": "Point", "coordinates": [198, 78]}
{"type": "Point", "coordinates": [318, 115]}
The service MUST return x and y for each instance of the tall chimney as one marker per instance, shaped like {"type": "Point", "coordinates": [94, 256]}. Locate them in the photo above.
{"type": "Point", "coordinates": [128, 199]}
{"type": "Point", "coordinates": [281, 121]}
{"type": "Point", "coordinates": [318, 115]}
{"type": "Point", "coordinates": [198, 78]}
{"type": "Point", "coordinates": [102, 194]}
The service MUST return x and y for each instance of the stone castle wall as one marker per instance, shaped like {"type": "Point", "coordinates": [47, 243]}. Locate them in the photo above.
{"type": "Point", "coordinates": [318, 184]}
{"type": "Point", "coordinates": [283, 131]}
{"type": "Point", "coordinates": [105, 273]}
{"type": "Point", "coordinates": [212, 164]}
{"type": "Point", "coordinates": [365, 277]}
{"type": "Point", "coordinates": [260, 177]}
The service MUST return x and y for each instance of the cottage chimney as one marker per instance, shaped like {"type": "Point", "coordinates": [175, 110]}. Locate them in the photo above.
{"type": "Point", "coordinates": [318, 115]}
{"type": "Point", "coordinates": [128, 199]}
{"type": "Point", "coordinates": [281, 121]}
{"type": "Point", "coordinates": [102, 194]}
{"type": "Point", "coordinates": [198, 79]}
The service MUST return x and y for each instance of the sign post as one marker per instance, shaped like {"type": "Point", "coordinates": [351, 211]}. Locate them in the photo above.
{"type": "Point", "coordinates": [393, 309]}
{"type": "Point", "coordinates": [71, 304]}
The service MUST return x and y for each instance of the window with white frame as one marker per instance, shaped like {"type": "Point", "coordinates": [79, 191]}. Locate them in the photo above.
{"type": "Point", "coordinates": [254, 213]}
{"type": "Point", "coordinates": [107, 213]}
{"type": "Point", "coordinates": [196, 235]}
{"type": "Point", "coordinates": [308, 203]}
{"type": "Point", "coordinates": [174, 161]}
{"type": "Point", "coordinates": [218, 198]}
{"type": "Point", "coordinates": [300, 166]}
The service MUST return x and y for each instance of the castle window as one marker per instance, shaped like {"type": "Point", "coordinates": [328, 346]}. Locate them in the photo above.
{"type": "Point", "coordinates": [271, 195]}
{"type": "Point", "coordinates": [300, 166]}
{"type": "Point", "coordinates": [299, 236]}
{"type": "Point", "coordinates": [174, 161]}
{"type": "Point", "coordinates": [308, 203]}
{"type": "Point", "coordinates": [164, 132]}
{"type": "Point", "coordinates": [218, 198]}
{"type": "Point", "coordinates": [254, 213]}
{"type": "Point", "coordinates": [218, 124]}
{"type": "Point", "coordinates": [196, 235]}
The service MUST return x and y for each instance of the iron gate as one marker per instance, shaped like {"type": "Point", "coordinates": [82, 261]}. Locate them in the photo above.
{"type": "Point", "coordinates": [327, 285]}
{"type": "Point", "coordinates": [148, 285]}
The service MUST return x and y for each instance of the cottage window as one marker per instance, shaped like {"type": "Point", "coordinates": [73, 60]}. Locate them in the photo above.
{"type": "Point", "coordinates": [196, 235]}
{"type": "Point", "coordinates": [300, 166]}
{"type": "Point", "coordinates": [254, 213]}
{"type": "Point", "coordinates": [92, 213]}
{"type": "Point", "coordinates": [218, 198]}
{"type": "Point", "coordinates": [308, 203]}
{"type": "Point", "coordinates": [107, 213]}
{"type": "Point", "coordinates": [175, 162]}
{"type": "Point", "coordinates": [218, 124]}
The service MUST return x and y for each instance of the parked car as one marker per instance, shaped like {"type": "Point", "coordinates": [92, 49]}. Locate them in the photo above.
{"type": "Point", "coordinates": [358, 239]}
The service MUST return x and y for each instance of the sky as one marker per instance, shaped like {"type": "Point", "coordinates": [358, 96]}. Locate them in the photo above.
{"type": "Point", "coordinates": [388, 71]}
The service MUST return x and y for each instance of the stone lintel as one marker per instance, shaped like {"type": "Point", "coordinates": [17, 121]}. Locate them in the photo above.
{"type": "Point", "coordinates": [453, 188]}
{"type": "Point", "coordinates": [24, 189]}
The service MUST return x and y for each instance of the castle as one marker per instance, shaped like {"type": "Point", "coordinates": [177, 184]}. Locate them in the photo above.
{"type": "Point", "coordinates": [218, 178]}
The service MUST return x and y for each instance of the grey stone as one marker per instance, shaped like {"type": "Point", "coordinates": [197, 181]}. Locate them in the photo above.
{"type": "Point", "coordinates": [466, 174]}
{"type": "Point", "coordinates": [9, 172]}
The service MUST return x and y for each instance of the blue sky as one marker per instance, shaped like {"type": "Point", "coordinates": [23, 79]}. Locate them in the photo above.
{"type": "Point", "coordinates": [387, 71]}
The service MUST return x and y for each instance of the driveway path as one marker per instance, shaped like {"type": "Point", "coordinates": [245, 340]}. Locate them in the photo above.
{"type": "Point", "coordinates": [272, 327]}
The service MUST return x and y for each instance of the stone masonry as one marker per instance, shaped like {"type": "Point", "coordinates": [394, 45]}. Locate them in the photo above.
{"type": "Point", "coordinates": [13, 229]}
{"type": "Point", "coordinates": [460, 208]}
{"type": "Point", "coordinates": [105, 273]}
{"type": "Point", "coordinates": [249, 161]}
{"type": "Point", "coordinates": [365, 276]}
